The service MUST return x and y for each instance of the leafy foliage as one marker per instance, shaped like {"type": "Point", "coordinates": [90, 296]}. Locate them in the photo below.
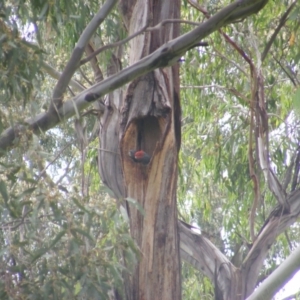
{"type": "Point", "coordinates": [215, 191]}
{"type": "Point", "coordinates": [62, 236]}
{"type": "Point", "coordinates": [56, 243]}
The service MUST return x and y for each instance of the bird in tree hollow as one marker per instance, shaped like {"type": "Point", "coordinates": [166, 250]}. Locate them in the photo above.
{"type": "Point", "coordinates": [139, 156]}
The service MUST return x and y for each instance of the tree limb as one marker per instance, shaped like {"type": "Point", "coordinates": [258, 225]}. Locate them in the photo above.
{"type": "Point", "coordinates": [72, 64]}
{"type": "Point", "coordinates": [162, 57]}
{"type": "Point", "coordinates": [204, 256]}
{"type": "Point", "coordinates": [207, 258]}
{"type": "Point", "coordinates": [124, 41]}
{"type": "Point", "coordinates": [55, 74]}
{"type": "Point", "coordinates": [278, 278]}
{"type": "Point", "coordinates": [275, 224]}
{"type": "Point", "coordinates": [275, 33]}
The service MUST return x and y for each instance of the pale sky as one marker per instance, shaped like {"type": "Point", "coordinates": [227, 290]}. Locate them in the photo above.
{"type": "Point", "coordinates": [292, 287]}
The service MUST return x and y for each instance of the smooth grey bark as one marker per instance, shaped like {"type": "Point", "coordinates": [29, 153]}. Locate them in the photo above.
{"type": "Point", "coordinates": [145, 116]}
{"type": "Point", "coordinates": [237, 282]}
{"type": "Point", "coordinates": [161, 57]}
{"type": "Point", "coordinates": [278, 278]}
{"type": "Point", "coordinates": [77, 53]}
{"type": "Point", "coordinates": [232, 282]}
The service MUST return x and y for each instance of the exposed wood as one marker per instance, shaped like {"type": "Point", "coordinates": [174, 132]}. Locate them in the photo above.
{"type": "Point", "coordinates": [147, 116]}
{"type": "Point", "coordinates": [149, 122]}
{"type": "Point", "coordinates": [278, 278]}
{"type": "Point", "coordinates": [204, 256]}
{"type": "Point", "coordinates": [78, 51]}
{"type": "Point", "coordinates": [237, 283]}
{"type": "Point", "coordinates": [109, 162]}
{"type": "Point", "coordinates": [159, 58]}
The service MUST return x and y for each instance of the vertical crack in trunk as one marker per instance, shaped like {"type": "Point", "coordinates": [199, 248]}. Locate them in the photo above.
{"type": "Point", "coordinates": [146, 117]}
{"type": "Point", "coordinates": [149, 123]}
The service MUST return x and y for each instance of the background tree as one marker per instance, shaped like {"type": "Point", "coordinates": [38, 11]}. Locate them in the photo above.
{"type": "Point", "coordinates": [62, 236]}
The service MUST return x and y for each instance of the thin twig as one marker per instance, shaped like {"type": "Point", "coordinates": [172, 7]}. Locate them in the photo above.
{"type": "Point", "coordinates": [200, 8]}
{"type": "Point", "coordinates": [295, 179]}
{"type": "Point", "coordinates": [56, 75]}
{"type": "Point", "coordinates": [105, 150]}
{"type": "Point", "coordinates": [232, 90]}
{"type": "Point", "coordinates": [253, 175]}
{"type": "Point", "coordinates": [275, 33]}
{"type": "Point", "coordinates": [288, 240]}
{"type": "Point", "coordinates": [72, 64]}
{"type": "Point", "coordinates": [116, 44]}
{"type": "Point", "coordinates": [71, 92]}
{"type": "Point", "coordinates": [285, 71]}
{"type": "Point", "coordinates": [227, 38]}
{"type": "Point", "coordinates": [238, 49]}
{"type": "Point", "coordinates": [53, 160]}
{"type": "Point", "coordinates": [144, 29]}
{"type": "Point", "coordinates": [250, 157]}
{"type": "Point", "coordinates": [85, 77]}
{"type": "Point", "coordinates": [218, 53]}
{"type": "Point", "coordinates": [98, 75]}
{"type": "Point", "coordinates": [67, 170]}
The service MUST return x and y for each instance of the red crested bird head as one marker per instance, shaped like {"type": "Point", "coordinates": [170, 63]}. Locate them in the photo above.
{"type": "Point", "coordinates": [139, 156]}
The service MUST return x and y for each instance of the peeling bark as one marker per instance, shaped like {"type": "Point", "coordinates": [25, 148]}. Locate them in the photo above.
{"type": "Point", "coordinates": [109, 162]}
{"type": "Point", "coordinates": [149, 123]}
{"type": "Point", "coordinates": [237, 283]}
{"type": "Point", "coordinates": [147, 117]}
{"type": "Point", "coordinates": [163, 56]}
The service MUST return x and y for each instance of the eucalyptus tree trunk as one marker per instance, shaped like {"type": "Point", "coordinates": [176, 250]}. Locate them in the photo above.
{"type": "Point", "coordinates": [147, 116]}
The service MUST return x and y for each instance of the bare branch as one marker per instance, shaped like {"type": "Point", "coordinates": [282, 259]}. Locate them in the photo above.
{"type": "Point", "coordinates": [275, 224]}
{"type": "Point", "coordinates": [86, 78]}
{"type": "Point", "coordinates": [56, 75]}
{"type": "Point", "coordinates": [294, 164]}
{"type": "Point", "coordinates": [162, 57]}
{"type": "Point", "coordinates": [292, 296]}
{"type": "Point", "coordinates": [278, 278]}
{"type": "Point", "coordinates": [262, 140]}
{"type": "Point", "coordinates": [216, 86]}
{"type": "Point", "coordinates": [113, 45]}
{"type": "Point", "coordinates": [295, 179]}
{"type": "Point", "coordinates": [72, 64]}
{"type": "Point", "coordinates": [199, 251]}
{"type": "Point", "coordinates": [43, 171]}
{"type": "Point", "coordinates": [275, 33]}
{"type": "Point", "coordinates": [231, 61]}
{"type": "Point", "coordinates": [227, 38]}
{"type": "Point", "coordinates": [124, 41]}
{"type": "Point", "coordinates": [250, 151]}
{"type": "Point", "coordinates": [253, 175]}
{"type": "Point", "coordinates": [286, 72]}
{"type": "Point", "coordinates": [98, 75]}
{"type": "Point", "coordinates": [288, 240]}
